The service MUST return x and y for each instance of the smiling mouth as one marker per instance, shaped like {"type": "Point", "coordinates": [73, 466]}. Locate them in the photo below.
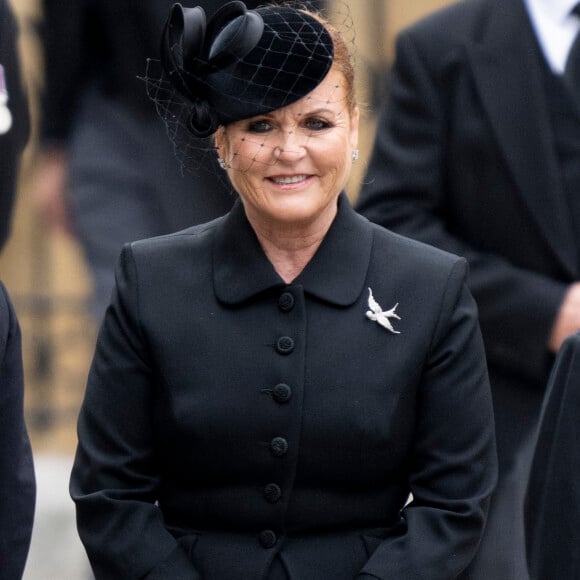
{"type": "Point", "coordinates": [287, 180]}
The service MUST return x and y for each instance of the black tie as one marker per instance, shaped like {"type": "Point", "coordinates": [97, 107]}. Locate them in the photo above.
{"type": "Point", "coordinates": [572, 69]}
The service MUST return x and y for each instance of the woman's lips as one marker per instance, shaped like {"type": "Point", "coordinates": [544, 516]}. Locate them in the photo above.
{"type": "Point", "coordinates": [288, 179]}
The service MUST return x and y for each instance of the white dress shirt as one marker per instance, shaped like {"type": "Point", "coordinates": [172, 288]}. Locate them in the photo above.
{"type": "Point", "coordinates": [556, 28]}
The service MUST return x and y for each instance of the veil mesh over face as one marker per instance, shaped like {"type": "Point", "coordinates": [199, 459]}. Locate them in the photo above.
{"type": "Point", "coordinates": [237, 64]}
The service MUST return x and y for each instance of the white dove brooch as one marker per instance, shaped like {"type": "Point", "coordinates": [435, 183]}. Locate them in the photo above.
{"type": "Point", "coordinates": [377, 314]}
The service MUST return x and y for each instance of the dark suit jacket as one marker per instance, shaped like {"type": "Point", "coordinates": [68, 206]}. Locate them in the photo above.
{"type": "Point", "coordinates": [11, 143]}
{"type": "Point", "coordinates": [270, 420]}
{"type": "Point", "coordinates": [553, 506]}
{"type": "Point", "coordinates": [17, 484]}
{"type": "Point", "coordinates": [464, 160]}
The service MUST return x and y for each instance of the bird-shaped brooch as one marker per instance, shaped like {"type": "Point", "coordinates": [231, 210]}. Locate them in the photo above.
{"type": "Point", "coordinates": [377, 314]}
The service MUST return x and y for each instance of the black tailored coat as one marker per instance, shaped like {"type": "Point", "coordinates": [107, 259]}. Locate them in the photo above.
{"type": "Point", "coordinates": [231, 419]}
{"type": "Point", "coordinates": [17, 482]}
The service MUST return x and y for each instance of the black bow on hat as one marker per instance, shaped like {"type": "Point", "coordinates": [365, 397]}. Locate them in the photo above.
{"type": "Point", "coordinates": [242, 62]}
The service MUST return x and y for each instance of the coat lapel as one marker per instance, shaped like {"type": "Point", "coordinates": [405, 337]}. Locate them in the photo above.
{"type": "Point", "coordinates": [240, 267]}
{"type": "Point", "coordinates": [506, 59]}
{"type": "Point", "coordinates": [337, 272]}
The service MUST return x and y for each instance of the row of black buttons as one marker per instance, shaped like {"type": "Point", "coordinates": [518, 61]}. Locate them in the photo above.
{"type": "Point", "coordinates": [281, 393]}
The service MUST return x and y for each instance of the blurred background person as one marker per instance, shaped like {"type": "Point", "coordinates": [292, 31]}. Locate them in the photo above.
{"type": "Point", "coordinates": [106, 171]}
{"type": "Point", "coordinates": [17, 482]}
{"type": "Point", "coordinates": [478, 153]}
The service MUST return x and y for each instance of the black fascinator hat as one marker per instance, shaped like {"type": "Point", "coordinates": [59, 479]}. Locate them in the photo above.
{"type": "Point", "coordinates": [242, 63]}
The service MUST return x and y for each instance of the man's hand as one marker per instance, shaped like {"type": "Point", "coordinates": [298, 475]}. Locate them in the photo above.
{"type": "Point", "coordinates": [49, 189]}
{"type": "Point", "coordinates": [568, 318]}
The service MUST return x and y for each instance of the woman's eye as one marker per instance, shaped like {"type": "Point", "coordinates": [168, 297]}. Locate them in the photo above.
{"type": "Point", "coordinates": [261, 126]}
{"type": "Point", "coordinates": [316, 124]}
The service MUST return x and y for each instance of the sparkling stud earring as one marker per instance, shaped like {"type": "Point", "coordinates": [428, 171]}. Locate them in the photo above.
{"type": "Point", "coordinates": [355, 154]}
{"type": "Point", "coordinates": [222, 163]}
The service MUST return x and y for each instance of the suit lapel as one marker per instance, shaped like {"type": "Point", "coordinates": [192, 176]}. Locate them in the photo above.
{"type": "Point", "coordinates": [506, 60]}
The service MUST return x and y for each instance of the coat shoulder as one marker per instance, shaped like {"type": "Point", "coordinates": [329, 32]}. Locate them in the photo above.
{"type": "Point", "coordinates": [425, 261]}
{"type": "Point", "coordinates": [198, 236]}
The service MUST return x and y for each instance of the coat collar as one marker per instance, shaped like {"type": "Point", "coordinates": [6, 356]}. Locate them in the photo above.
{"type": "Point", "coordinates": [521, 116]}
{"type": "Point", "coordinates": [336, 273]}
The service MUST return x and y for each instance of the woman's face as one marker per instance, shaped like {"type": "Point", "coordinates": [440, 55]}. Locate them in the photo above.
{"type": "Point", "coordinates": [290, 165]}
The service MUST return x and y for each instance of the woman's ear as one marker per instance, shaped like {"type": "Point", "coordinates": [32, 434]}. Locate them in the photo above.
{"type": "Point", "coordinates": [354, 125]}
{"type": "Point", "coordinates": [220, 142]}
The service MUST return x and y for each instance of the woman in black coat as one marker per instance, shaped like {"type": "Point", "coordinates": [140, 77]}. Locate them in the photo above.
{"type": "Point", "coordinates": [269, 388]}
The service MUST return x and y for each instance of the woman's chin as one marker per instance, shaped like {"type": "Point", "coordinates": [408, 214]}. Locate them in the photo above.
{"type": "Point", "coordinates": [300, 210]}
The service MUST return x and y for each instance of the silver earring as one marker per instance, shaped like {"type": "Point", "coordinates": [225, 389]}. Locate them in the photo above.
{"type": "Point", "coordinates": [355, 154]}
{"type": "Point", "coordinates": [222, 163]}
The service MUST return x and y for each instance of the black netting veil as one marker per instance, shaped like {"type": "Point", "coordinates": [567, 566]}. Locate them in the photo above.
{"type": "Point", "coordinates": [233, 65]}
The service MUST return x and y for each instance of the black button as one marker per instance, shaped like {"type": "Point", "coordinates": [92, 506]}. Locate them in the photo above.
{"type": "Point", "coordinates": [286, 301]}
{"type": "Point", "coordinates": [282, 393]}
{"type": "Point", "coordinates": [285, 345]}
{"type": "Point", "coordinates": [272, 492]}
{"type": "Point", "coordinates": [267, 538]}
{"type": "Point", "coordinates": [279, 446]}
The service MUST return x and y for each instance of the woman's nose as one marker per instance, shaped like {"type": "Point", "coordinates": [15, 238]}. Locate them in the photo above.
{"type": "Point", "coordinates": [290, 147]}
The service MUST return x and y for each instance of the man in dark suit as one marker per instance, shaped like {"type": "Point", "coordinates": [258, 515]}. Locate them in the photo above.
{"type": "Point", "coordinates": [478, 153]}
{"type": "Point", "coordinates": [17, 484]}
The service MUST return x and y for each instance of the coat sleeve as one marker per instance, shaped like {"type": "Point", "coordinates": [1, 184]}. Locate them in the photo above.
{"type": "Point", "coordinates": [405, 190]}
{"type": "Point", "coordinates": [453, 468]}
{"type": "Point", "coordinates": [115, 477]}
{"type": "Point", "coordinates": [17, 482]}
